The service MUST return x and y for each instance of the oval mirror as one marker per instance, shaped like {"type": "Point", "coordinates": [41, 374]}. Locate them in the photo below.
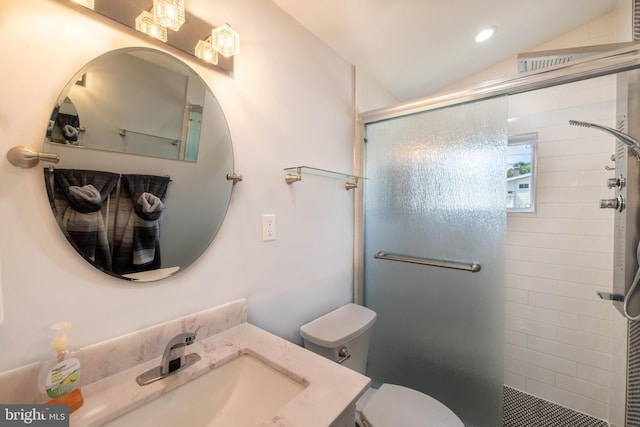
{"type": "Point", "coordinates": [141, 188]}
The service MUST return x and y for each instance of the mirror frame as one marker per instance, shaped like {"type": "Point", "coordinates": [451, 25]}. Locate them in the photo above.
{"type": "Point", "coordinates": [209, 177]}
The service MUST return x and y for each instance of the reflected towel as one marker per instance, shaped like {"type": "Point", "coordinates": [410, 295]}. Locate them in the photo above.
{"type": "Point", "coordinates": [146, 234]}
{"type": "Point", "coordinates": [137, 185]}
{"type": "Point", "coordinates": [77, 201]}
{"type": "Point", "coordinates": [70, 133]}
{"type": "Point", "coordinates": [86, 230]}
{"type": "Point", "coordinates": [104, 182]}
{"type": "Point", "coordinates": [138, 224]}
{"type": "Point", "coordinates": [87, 194]}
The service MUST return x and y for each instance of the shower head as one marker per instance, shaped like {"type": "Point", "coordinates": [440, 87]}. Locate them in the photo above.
{"type": "Point", "coordinates": [620, 136]}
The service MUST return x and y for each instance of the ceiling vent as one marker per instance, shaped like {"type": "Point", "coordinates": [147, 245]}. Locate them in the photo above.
{"type": "Point", "coordinates": [534, 61]}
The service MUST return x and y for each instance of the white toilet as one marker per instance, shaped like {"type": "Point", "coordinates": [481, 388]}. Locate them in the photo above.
{"type": "Point", "coordinates": [343, 335]}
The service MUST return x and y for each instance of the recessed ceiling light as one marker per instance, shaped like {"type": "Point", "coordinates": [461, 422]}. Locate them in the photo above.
{"type": "Point", "coordinates": [485, 34]}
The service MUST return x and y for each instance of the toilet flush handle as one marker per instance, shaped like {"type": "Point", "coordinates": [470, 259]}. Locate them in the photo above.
{"type": "Point", "coordinates": [344, 355]}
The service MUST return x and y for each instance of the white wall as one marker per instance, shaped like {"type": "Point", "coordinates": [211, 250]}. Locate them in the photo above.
{"type": "Point", "coordinates": [370, 95]}
{"type": "Point", "coordinates": [288, 103]}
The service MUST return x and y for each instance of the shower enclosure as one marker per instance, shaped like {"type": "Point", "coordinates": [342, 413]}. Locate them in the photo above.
{"type": "Point", "coordinates": [437, 174]}
{"type": "Point", "coordinates": [437, 197]}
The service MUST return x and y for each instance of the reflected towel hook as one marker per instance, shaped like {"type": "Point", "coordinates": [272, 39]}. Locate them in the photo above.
{"type": "Point", "coordinates": [26, 157]}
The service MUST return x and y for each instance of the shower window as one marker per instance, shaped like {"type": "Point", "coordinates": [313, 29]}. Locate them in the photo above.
{"type": "Point", "coordinates": [520, 172]}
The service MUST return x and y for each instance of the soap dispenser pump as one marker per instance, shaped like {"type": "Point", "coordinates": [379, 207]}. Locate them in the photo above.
{"type": "Point", "coordinates": [59, 378]}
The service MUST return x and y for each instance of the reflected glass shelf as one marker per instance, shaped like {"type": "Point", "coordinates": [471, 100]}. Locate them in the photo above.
{"type": "Point", "coordinates": [124, 132]}
{"type": "Point", "coordinates": [295, 174]}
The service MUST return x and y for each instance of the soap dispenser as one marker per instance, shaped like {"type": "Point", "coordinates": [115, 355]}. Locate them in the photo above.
{"type": "Point", "coordinates": [59, 377]}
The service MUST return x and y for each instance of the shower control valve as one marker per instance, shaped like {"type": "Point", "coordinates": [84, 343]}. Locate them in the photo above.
{"type": "Point", "coordinates": [618, 182]}
{"type": "Point", "coordinates": [618, 203]}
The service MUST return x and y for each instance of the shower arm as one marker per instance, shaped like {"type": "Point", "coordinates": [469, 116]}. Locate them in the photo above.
{"type": "Point", "coordinates": [620, 136]}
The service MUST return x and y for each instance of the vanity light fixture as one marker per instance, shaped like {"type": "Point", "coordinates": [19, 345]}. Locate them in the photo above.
{"type": "Point", "coordinates": [206, 52]}
{"type": "Point", "coordinates": [169, 13]}
{"type": "Point", "coordinates": [154, 18]}
{"type": "Point", "coordinates": [146, 24]}
{"type": "Point", "coordinates": [225, 40]}
{"type": "Point", "coordinates": [485, 34]}
{"type": "Point", "coordinates": [89, 4]}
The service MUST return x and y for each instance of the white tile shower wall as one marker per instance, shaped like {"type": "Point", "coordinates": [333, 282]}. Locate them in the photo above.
{"type": "Point", "coordinates": [526, 233]}
{"type": "Point", "coordinates": [558, 340]}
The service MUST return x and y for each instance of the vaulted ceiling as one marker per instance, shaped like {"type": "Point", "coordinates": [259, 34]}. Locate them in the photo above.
{"type": "Point", "coordinates": [413, 48]}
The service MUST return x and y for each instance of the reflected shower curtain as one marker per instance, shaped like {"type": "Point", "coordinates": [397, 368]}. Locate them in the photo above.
{"type": "Point", "coordinates": [436, 190]}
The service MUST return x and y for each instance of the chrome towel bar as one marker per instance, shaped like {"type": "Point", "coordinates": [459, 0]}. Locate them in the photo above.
{"type": "Point", "coordinates": [473, 267]}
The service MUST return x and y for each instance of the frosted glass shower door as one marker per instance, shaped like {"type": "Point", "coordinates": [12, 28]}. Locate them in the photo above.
{"type": "Point", "coordinates": [436, 190]}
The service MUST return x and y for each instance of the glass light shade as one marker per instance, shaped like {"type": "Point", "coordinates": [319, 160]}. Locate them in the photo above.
{"type": "Point", "coordinates": [90, 4]}
{"type": "Point", "coordinates": [205, 51]}
{"type": "Point", "coordinates": [225, 40]}
{"type": "Point", "coordinates": [169, 13]}
{"type": "Point", "coordinates": [146, 24]}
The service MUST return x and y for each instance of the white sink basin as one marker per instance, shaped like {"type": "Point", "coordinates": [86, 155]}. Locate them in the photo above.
{"type": "Point", "coordinates": [242, 392]}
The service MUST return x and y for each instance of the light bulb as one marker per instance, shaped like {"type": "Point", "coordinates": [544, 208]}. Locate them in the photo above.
{"type": "Point", "coordinates": [485, 34]}
{"type": "Point", "coordinates": [146, 24]}
{"type": "Point", "coordinates": [169, 13]}
{"type": "Point", "coordinates": [225, 40]}
{"type": "Point", "coordinates": [205, 51]}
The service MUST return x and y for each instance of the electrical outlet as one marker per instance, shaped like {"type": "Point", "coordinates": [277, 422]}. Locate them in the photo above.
{"type": "Point", "coordinates": [268, 227]}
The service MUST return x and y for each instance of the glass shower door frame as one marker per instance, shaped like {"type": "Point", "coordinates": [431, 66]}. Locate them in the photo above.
{"type": "Point", "coordinates": [612, 62]}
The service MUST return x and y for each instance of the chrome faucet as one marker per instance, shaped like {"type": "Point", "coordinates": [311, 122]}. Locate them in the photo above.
{"type": "Point", "coordinates": [173, 359]}
{"type": "Point", "coordinates": [173, 356]}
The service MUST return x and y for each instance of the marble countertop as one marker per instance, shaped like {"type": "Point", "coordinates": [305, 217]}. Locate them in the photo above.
{"type": "Point", "coordinates": [330, 388]}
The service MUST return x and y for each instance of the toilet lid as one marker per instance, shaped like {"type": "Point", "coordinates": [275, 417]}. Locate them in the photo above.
{"type": "Point", "coordinates": [339, 326]}
{"type": "Point", "coordinates": [394, 405]}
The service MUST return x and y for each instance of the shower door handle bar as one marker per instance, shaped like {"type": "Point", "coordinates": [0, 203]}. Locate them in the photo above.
{"type": "Point", "coordinates": [473, 267]}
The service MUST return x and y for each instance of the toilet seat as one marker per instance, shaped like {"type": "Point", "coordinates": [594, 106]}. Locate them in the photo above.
{"type": "Point", "coordinates": [394, 405]}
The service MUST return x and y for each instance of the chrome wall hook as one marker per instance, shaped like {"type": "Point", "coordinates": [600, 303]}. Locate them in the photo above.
{"type": "Point", "coordinates": [25, 157]}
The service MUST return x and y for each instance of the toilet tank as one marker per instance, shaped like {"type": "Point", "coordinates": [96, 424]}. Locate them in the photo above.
{"type": "Point", "coordinates": [349, 326]}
